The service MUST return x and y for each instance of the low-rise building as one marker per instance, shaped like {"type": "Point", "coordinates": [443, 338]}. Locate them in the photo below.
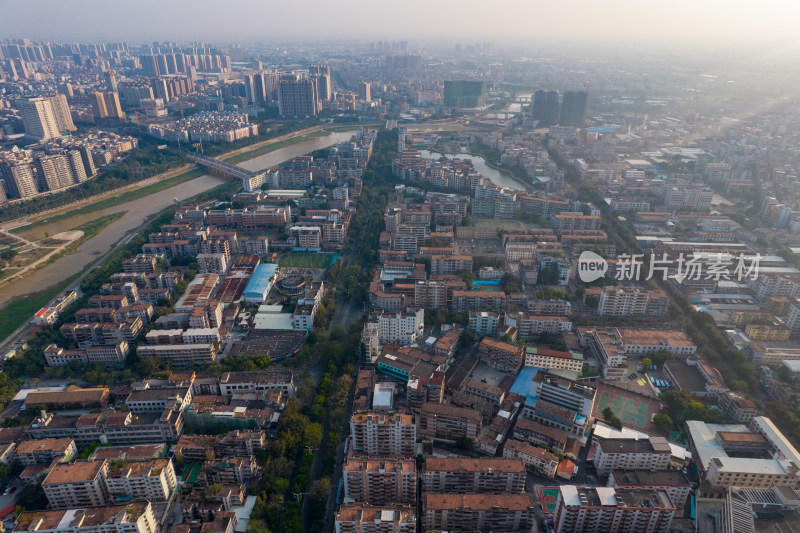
{"type": "Point", "coordinates": [45, 451]}
{"type": "Point", "coordinates": [447, 422]}
{"type": "Point", "coordinates": [673, 482]}
{"type": "Point", "coordinates": [76, 485]}
{"type": "Point", "coordinates": [615, 510]}
{"type": "Point", "coordinates": [631, 454]}
{"type": "Point", "coordinates": [503, 356]}
{"type": "Point", "coordinates": [152, 480]}
{"type": "Point", "coordinates": [363, 518]}
{"type": "Point", "coordinates": [135, 517]}
{"type": "Point", "coordinates": [553, 359]}
{"type": "Point", "coordinates": [538, 459]}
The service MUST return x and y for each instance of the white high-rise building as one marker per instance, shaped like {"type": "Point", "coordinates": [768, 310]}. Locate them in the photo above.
{"type": "Point", "coordinates": [39, 118]}
{"type": "Point", "coordinates": [62, 113]}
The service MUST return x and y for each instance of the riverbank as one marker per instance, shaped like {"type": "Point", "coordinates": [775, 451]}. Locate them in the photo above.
{"type": "Point", "coordinates": [85, 231]}
{"type": "Point", "coordinates": [36, 230]}
{"type": "Point", "coordinates": [25, 296]}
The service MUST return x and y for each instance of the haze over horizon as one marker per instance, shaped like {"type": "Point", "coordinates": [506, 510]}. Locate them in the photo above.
{"type": "Point", "coordinates": [676, 24]}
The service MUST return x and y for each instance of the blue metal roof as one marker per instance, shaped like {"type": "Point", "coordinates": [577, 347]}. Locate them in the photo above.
{"type": "Point", "coordinates": [522, 385]}
{"type": "Point", "coordinates": [260, 280]}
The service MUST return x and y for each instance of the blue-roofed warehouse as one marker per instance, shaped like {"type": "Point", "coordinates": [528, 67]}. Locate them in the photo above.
{"type": "Point", "coordinates": [260, 283]}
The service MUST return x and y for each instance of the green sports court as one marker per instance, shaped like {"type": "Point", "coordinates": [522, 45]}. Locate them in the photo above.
{"type": "Point", "coordinates": [547, 499]}
{"type": "Point", "coordinates": [631, 410]}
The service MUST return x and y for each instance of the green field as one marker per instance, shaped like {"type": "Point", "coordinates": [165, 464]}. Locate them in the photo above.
{"type": "Point", "coordinates": [30, 231]}
{"type": "Point", "coordinates": [270, 147]}
{"type": "Point", "coordinates": [306, 260]}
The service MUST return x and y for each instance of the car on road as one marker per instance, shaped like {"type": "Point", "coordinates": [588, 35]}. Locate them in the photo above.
{"type": "Point", "coordinates": [13, 490]}
{"type": "Point", "coordinates": [5, 492]}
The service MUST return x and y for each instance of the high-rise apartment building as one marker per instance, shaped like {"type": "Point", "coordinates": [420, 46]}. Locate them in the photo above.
{"type": "Point", "coordinates": [149, 65]}
{"type": "Point", "coordinates": [87, 160]}
{"type": "Point", "coordinates": [382, 434]}
{"type": "Point", "coordinates": [62, 113]}
{"type": "Point", "coordinates": [380, 481]}
{"type": "Point", "coordinates": [464, 93]}
{"type": "Point", "coordinates": [460, 475]}
{"type": "Point", "coordinates": [322, 75]}
{"type": "Point", "coordinates": [297, 96]}
{"type": "Point", "coordinates": [19, 180]}
{"type": "Point", "coordinates": [54, 172]}
{"type": "Point", "coordinates": [113, 106]}
{"type": "Point", "coordinates": [98, 105]}
{"type": "Point", "coordinates": [573, 108]}
{"type": "Point", "coordinates": [478, 512]}
{"type": "Point", "coordinates": [547, 107]}
{"type": "Point", "coordinates": [39, 118]}
{"type": "Point", "coordinates": [111, 81]}
{"type": "Point", "coordinates": [76, 167]}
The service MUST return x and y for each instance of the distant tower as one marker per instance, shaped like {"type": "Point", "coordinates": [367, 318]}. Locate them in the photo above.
{"type": "Point", "coordinates": [111, 81]}
{"type": "Point", "coordinates": [364, 91]}
{"type": "Point", "coordinates": [98, 105]}
{"type": "Point", "coordinates": [573, 108]}
{"type": "Point", "coordinates": [322, 75]}
{"type": "Point", "coordinates": [297, 96]}
{"type": "Point", "coordinates": [547, 107]}
{"type": "Point", "coordinates": [113, 106]}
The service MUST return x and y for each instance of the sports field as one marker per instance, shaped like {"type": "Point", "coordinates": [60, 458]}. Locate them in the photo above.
{"type": "Point", "coordinates": [547, 499]}
{"type": "Point", "coordinates": [307, 260]}
{"type": "Point", "coordinates": [190, 472]}
{"type": "Point", "coordinates": [632, 410]}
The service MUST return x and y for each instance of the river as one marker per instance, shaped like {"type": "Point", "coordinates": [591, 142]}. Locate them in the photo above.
{"type": "Point", "coordinates": [137, 212]}
{"type": "Point", "coordinates": [498, 177]}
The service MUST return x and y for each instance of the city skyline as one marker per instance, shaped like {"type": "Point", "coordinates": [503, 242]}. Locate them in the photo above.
{"type": "Point", "coordinates": [584, 22]}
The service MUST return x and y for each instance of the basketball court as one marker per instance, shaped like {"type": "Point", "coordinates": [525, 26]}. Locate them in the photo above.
{"type": "Point", "coordinates": [632, 409]}
{"type": "Point", "coordinates": [547, 499]}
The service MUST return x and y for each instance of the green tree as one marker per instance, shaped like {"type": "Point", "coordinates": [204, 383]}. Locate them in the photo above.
{"type": "Point", "coordinates": [662, 421]}
{"type": "Point", "coordinates": [611, 417]}
{"type": "Point", "coordinates": [465, 443]}
{"type": "Point", "coordinates": [468, 277]}
{"type": "Point", "coordinates": [784, 374]}
{"type": "Point", "coordinates": [312, 435]}
{"type": "Point", "coordinates": [647, 363]}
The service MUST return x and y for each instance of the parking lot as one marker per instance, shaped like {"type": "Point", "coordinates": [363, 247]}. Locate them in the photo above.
{"type": "Point", "coordinates": [490, 375]}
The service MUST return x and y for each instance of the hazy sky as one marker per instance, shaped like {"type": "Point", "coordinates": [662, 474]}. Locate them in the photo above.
{"type": "Point", "coordinates": [768, 24]}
